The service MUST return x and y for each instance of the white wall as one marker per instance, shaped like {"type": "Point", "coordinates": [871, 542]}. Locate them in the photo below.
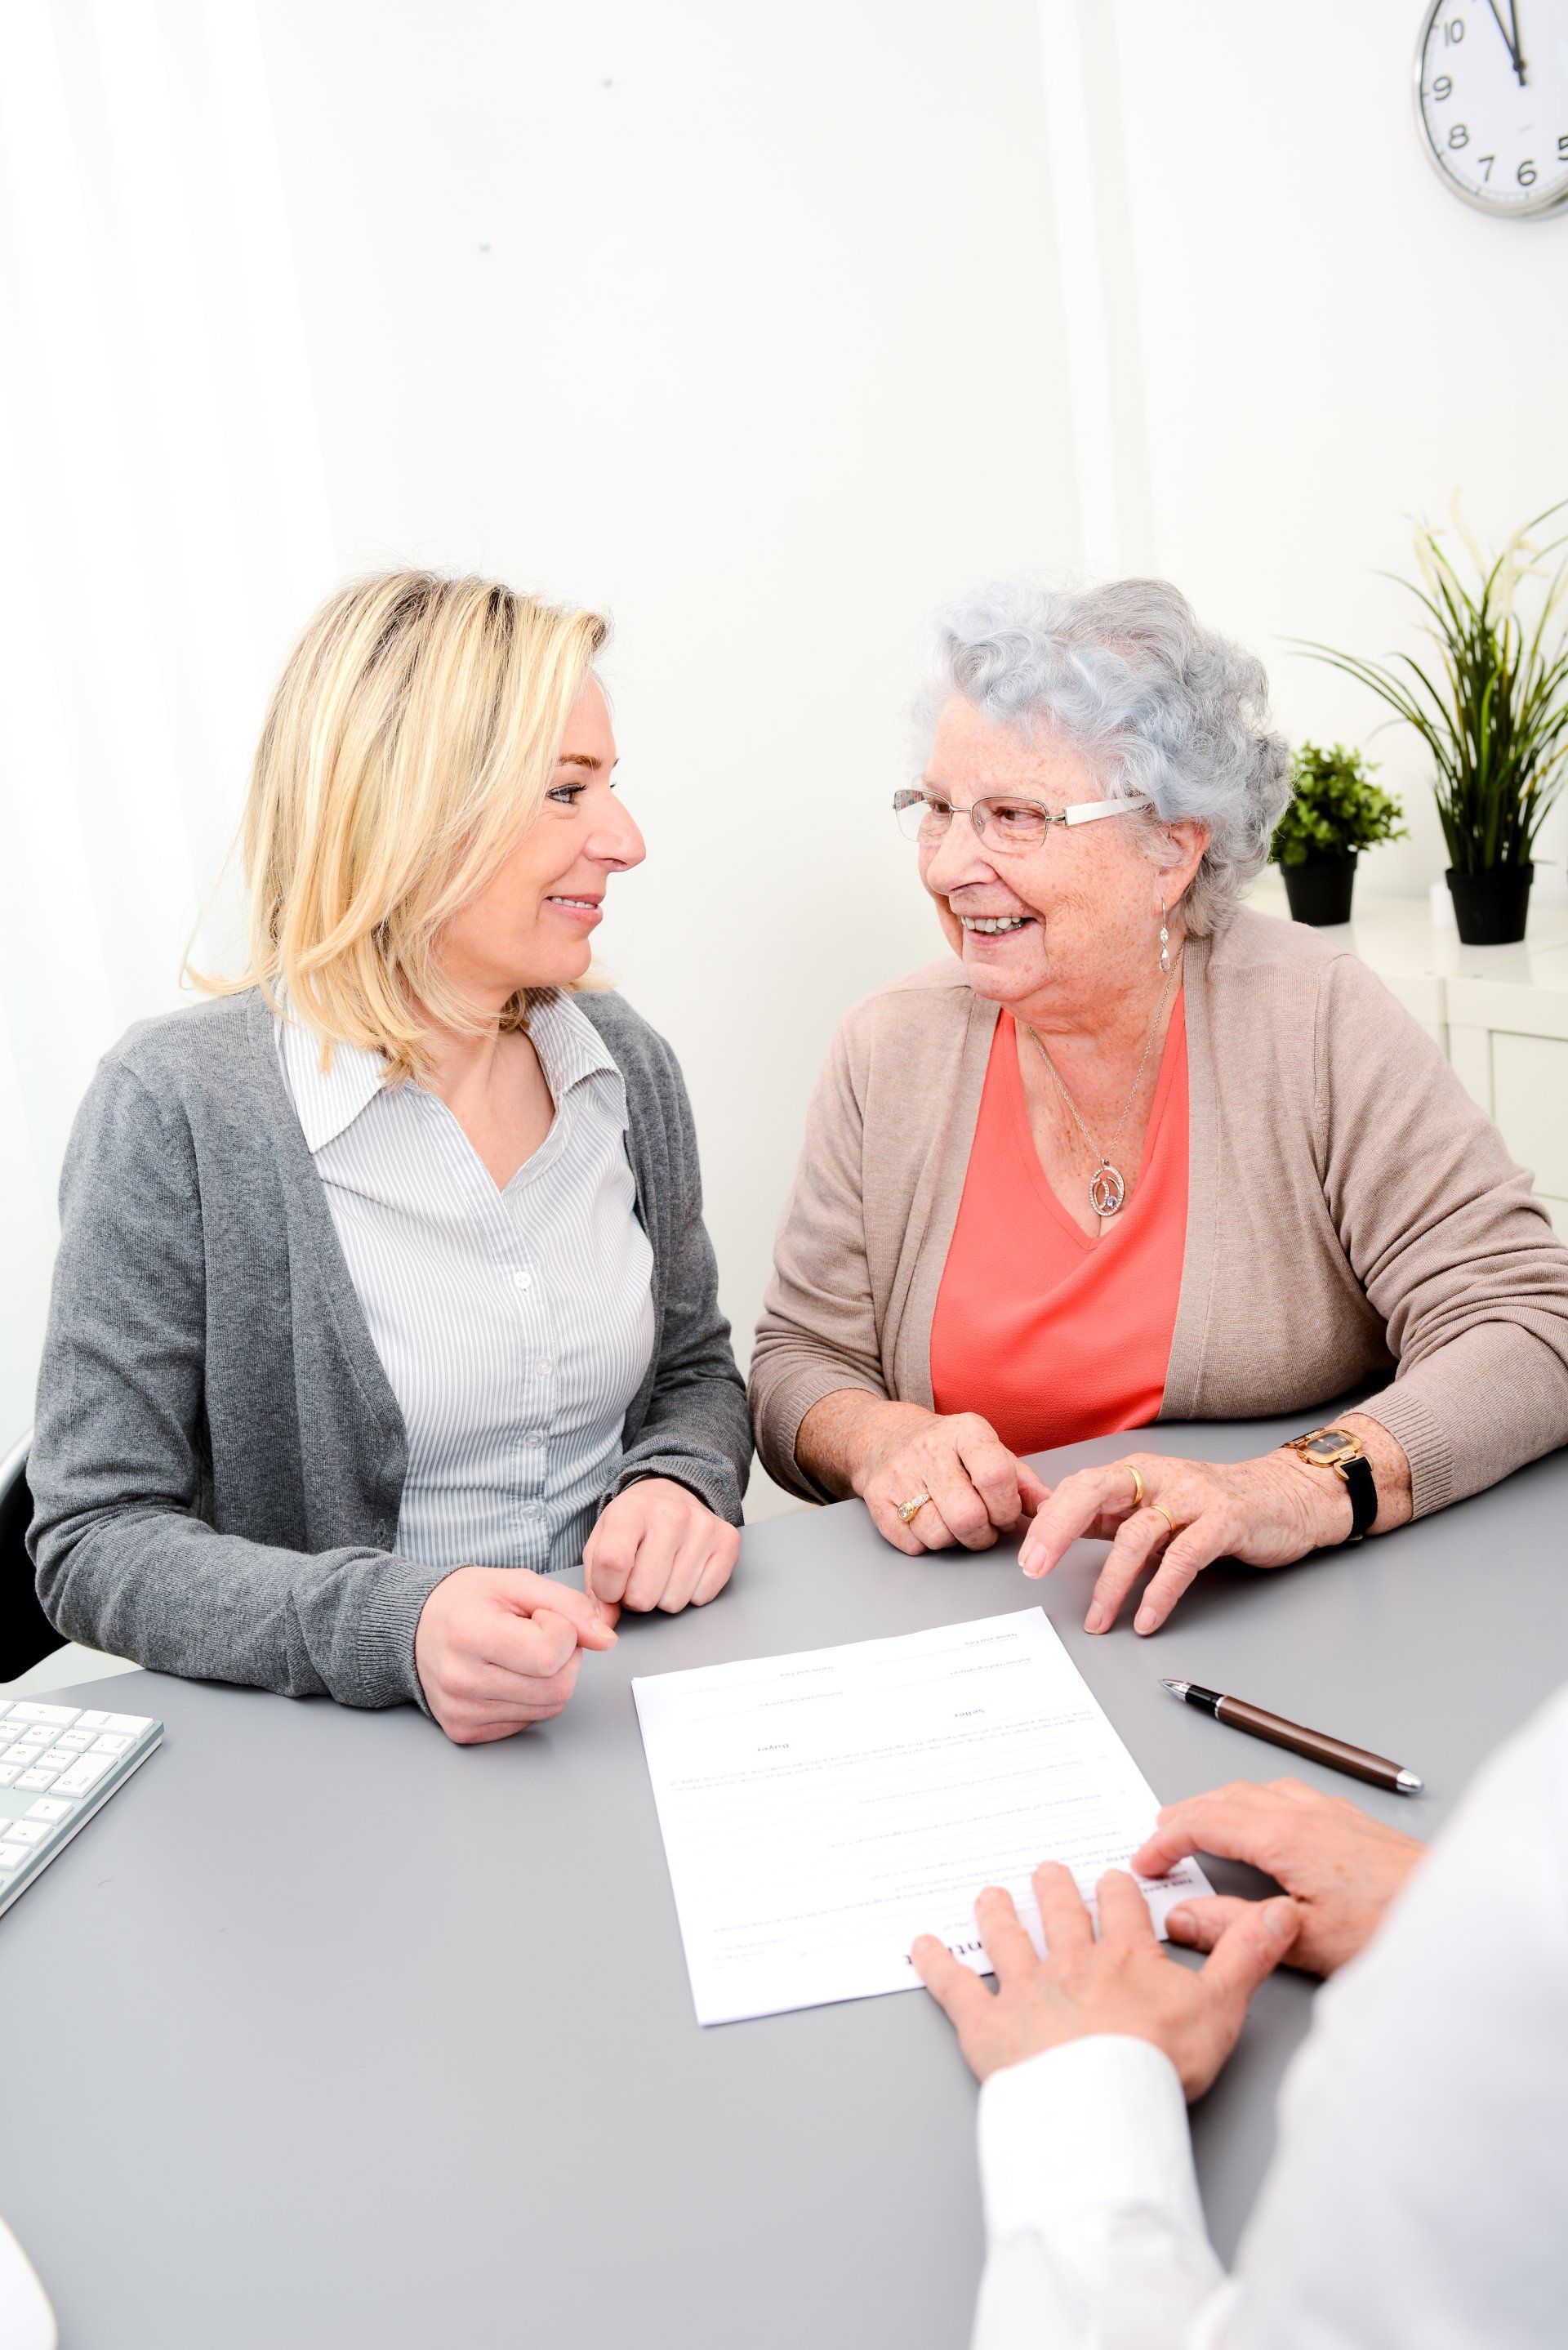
{"type": "Point", "coordinates": [1326, 342]}
{"type": "Point", "coordinates": [163, 526]}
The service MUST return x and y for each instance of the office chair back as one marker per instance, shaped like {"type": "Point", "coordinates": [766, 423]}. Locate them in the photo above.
{"type": "Point", "coordinates": [27, 1634]}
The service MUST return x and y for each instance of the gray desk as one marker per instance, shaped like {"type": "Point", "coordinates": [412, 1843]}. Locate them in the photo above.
{"type": "Point", "coordinates": [337, 2035]}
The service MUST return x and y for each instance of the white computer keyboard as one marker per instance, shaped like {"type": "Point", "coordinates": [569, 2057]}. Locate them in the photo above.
{"type": "Point", "coordinates": [58, 1766]}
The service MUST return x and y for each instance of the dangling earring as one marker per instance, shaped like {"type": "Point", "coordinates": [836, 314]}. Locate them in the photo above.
{"type": "Point", "coordinates": [1164, 939]}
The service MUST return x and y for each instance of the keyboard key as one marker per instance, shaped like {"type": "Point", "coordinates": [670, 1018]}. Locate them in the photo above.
{"type": "Point", "coordinates": [50, 1809]}
{"type": "Point", "coordinates": [8, 1772]}
{"type": "Point", "coordinates": [76, 1740]}
{"type": "Point", "coordinates": [37, 1733]}
{"type": "Point", "coordinates": [55, 1759]}
{"type": "Point", "coordinates": [36, 1781]}
{"type": "Point", "coordinates": [92, 1721]}
{"type": "Point", "coordinates": [62, 1715]}
{"type": "Point", "coordinates": [109, 1745]}
{"type": "Point", "coordinates": [84, 1774]}
{"type": "Point", "coordinates": [133, 1724]}
{"type": "Point", "coordinates": [12, 1855]}
{"type": "Point", "coordinates": [27, 1832]}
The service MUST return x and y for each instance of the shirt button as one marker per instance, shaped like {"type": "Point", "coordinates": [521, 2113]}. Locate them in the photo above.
{"type": "Point", "coordinates": [523, 1280]}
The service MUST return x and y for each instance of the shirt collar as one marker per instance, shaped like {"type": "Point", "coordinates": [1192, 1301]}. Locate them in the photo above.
{"type": "Point", "coordinates": [326, 1101]}
{"type": "Point", "coordinates": [570, 1048]}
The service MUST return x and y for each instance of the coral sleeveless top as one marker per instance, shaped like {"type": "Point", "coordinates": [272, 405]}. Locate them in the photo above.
{"type": "Point", "coordinates": [1047, 1334]}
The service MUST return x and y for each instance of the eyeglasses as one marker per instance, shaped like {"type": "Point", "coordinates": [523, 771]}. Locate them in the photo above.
{"type": "Point", "coordinates": [1005, 824]}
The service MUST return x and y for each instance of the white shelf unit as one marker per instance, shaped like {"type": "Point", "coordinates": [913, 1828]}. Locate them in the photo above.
{"type": "Point", "coordinates": [1501, 1015]}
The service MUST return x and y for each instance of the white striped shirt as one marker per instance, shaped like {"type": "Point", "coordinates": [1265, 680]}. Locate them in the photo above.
{"type": "Point", "coordinates": [515, 1326]}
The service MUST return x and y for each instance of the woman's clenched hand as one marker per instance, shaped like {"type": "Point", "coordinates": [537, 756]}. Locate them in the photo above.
{"type": "Point", "coordinates": [977, 1489]}
{"type": "Point", "coordinates": [498, 1647]}
{"type": "Point", "coordinates": [657, 1546]}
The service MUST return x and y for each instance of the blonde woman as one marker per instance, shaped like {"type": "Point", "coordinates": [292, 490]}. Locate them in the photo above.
{"type": "Point", "coordinates": [383, 1292]}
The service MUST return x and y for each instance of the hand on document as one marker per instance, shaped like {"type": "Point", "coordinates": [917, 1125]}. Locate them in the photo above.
{"type": "Point", "coordinates": [820, 1809]}
{"type": "Point", "coordinates": [1120, 1982]}
{"type": "Point", "coordinates": [1340, 1865]}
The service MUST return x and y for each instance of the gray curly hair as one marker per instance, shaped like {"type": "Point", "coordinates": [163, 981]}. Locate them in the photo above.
{"type": "Point", "coordinates": [1173, 716]}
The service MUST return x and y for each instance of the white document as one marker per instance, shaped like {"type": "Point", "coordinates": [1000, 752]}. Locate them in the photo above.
{"type": "Point", "coordinates": [821, 1810]}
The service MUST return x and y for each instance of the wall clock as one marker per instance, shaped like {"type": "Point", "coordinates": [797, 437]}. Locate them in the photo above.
{"type": "Point", "coordinates": [1491, 101]}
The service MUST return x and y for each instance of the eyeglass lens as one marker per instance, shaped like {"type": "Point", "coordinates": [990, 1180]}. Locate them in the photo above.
{"type": "Point", "coordinates": [1003, 823]}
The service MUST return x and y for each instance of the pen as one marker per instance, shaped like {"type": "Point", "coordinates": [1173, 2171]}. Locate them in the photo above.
{"type": "Point", "coordinates": [1313, 1743]}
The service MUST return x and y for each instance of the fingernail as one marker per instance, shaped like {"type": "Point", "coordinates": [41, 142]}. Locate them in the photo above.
{"type": "Point", "coordinates": [1180, 1923]}
{"type": "Point", "coordinates": [1145, 1620]}
{"type": "Point", "coordinates": [1280, 1917]}
{"type": "Point", "coordinates": [1095, 1620]}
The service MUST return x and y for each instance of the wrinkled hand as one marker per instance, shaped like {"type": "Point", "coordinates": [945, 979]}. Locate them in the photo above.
{"type": "Point", "coordinates": [1121, 1983]}
{"type": "Point", "coordinates": [977, 1489]}
{"type": "Point", "coordinates": [1340, 1867]}
{"type": "Point", "coordinates": [1266, 1512]}
{"type": "Point", "coordinates": [497, 1647]}
{"type": "Point", "coordinates": [657, 1546]}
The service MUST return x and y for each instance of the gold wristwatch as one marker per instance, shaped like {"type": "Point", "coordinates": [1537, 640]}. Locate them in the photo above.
{"type": "Point", "coordinates": [1337, 1449]}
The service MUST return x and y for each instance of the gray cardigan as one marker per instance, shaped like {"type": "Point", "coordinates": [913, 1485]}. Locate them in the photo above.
{"type": "Point", "coordinates": [218, 1457]}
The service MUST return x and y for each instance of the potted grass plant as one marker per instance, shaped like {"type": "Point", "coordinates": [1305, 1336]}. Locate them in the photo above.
{"type": "Point", "coordinates": [1334, 811]}
{"type": "Point", "coordinates": [1491, 705]}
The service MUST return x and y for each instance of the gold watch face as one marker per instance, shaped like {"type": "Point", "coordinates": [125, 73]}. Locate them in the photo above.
{"type": "Point", "coordinates": [1327, 1447]}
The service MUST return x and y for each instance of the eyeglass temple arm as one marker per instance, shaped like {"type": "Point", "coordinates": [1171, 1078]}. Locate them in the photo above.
{"type": "Point", "coordinates": [1092, 810]}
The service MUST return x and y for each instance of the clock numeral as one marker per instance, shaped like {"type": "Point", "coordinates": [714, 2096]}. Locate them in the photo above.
{"type": "Point", "coordinates": [1489, 161]}
{"type": "Point", "coordinates": [1563, 147]}
{"type": "Point", "coordinates": [1460, 136]}
{"type": "Point", "coordinates": [1442, 86]}
{"type": "Point", "coordinates": [1526, 174]}
{"type": "Point", "coordinates": [1454, 31]}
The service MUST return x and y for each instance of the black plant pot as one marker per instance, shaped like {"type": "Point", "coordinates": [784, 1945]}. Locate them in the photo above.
{"type": "Point", "coordinates": [1491, 909]}
{"type": "Point", "coordinates": [1319, 890]}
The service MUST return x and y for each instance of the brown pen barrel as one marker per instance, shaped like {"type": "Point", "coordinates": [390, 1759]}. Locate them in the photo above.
{"type": "Point", "coordinates": [1313, 1743]}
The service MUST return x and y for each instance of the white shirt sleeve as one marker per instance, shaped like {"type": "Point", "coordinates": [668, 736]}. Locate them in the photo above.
{"type": "Point", "coordinates": [1093, 2222]}
{"type": "Point", "coordinates": [1417, 2193]}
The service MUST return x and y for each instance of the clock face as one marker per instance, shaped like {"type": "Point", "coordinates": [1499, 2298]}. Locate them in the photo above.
{"type": "Point", "coordinates": [1492, 93]}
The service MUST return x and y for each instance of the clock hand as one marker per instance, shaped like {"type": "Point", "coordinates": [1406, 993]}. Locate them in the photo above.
{"type": "Point", "coordinates": [1509, 44]}
{"type": "Point", "coordinates": [1518, 52]}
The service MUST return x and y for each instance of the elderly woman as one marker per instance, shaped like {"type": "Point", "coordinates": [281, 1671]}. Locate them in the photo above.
{"type": "Point", "coordinates": [383, 1293]}
{"type": "Point", "coordinates": [1129, 1153]}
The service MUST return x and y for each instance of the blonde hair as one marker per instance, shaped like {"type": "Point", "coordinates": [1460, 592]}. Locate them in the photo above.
{"type": "Point", "coordinates": [406, 748]}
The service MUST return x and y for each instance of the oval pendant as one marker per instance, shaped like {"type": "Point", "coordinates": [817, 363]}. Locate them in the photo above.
{"type": "Point", "coordinates": [1106, 1189]}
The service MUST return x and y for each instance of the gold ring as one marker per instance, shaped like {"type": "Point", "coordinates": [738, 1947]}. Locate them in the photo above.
{"type": "Point", "coordinates": [1165, 1513]}
{"type": "Point", "coordinates": [1138, 1483]}
{"type": "Point", "coordinates": [911, 1509]}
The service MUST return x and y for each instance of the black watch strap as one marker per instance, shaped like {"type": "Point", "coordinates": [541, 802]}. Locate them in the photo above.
{"type": "Point", "coordinates": [1362, 1492]}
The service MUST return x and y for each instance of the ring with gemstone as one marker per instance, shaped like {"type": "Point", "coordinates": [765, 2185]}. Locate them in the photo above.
{"type": "Point", "coordinates": [910, 1508]}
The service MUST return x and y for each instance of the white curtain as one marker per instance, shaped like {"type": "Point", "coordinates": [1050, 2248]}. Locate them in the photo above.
{"type": "Point", "coordinates": [164, 530]}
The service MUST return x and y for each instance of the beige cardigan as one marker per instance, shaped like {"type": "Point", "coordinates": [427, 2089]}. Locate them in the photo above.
{"type": "Point", "coordinates": [1350, 1209]}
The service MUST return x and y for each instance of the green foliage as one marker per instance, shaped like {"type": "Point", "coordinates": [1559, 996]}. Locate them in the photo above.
{"type": "Point", "coordinates": [1493, 708]}
{"type": "Point", "coordinates": [1337, 808]}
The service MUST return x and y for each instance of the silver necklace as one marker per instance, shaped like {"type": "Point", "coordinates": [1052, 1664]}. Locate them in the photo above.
{"type": "Point", "coordinates": [1108, 1185]}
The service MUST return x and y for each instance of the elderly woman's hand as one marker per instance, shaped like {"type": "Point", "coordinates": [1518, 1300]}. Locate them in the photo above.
{"type": "Point", "coordinates": [1266, 1512]}
{"type": "Point", "coordinates": [970, 1487]}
